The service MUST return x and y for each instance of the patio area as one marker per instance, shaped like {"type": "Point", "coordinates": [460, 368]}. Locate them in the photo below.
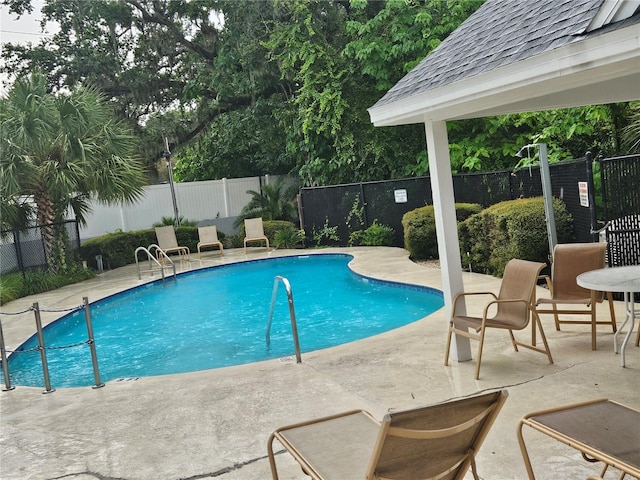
{"type": "Point", "coordinates": [215, 423]}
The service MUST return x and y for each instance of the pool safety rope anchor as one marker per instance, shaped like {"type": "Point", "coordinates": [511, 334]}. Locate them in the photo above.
{"type": "Point", "coordinates": [42, 348]}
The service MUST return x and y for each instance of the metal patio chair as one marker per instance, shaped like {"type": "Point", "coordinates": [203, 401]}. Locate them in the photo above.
{"type": "Point", "coordinates": [434, 442]}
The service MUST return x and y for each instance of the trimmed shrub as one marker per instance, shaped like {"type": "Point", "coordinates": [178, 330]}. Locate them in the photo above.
{"type": "Point", "coordinates": [511, 229]}
{"type": "Point", "coordinates": [118, 249]}
{"type": "Point", "coordinates": [271, 227]}
{"type": "Point", "coordinates": [377, 235]}
{"type": "Point", "coordinates": [420, 229]}
{"type": "Point", "coordinates": [288, 237]}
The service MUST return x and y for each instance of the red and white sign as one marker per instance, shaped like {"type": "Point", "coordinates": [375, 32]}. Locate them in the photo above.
{"type": "Point", "coordinates": [583, 190]}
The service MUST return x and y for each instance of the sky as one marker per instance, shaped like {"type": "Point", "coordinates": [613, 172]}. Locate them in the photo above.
{"type": "Point", "coordinates": [23, 30]}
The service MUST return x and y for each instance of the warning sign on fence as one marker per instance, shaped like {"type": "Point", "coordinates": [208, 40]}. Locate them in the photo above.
{"type": "Point", "coordinates": [583, 190]}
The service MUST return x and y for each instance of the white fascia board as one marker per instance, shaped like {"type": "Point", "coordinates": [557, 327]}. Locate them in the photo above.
{"type": "Point", "coordinates": [613, 11]}
{"type": "Point", "coordinates": [575, 66]}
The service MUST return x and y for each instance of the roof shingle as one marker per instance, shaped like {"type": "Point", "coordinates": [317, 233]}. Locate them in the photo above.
{"type": "Point", "coordinates": [499, 33]}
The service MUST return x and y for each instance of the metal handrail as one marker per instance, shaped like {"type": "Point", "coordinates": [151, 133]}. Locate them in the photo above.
{"type": "Point", "coordinates": [151, 258]}
{"type": "Point", "coordinates": [5, 368]}
{"type": "Point", "coordinates": [292, 314]}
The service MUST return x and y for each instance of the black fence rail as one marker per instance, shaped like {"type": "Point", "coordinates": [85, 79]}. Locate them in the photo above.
{"type": "Point", "coordinates": [387, 201]}
{"type": "Point", "coordinates": [26, 250]}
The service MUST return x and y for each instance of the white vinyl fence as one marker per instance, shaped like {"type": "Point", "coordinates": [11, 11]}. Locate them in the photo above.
{"type": "Point", "coordinates": [211, 202]}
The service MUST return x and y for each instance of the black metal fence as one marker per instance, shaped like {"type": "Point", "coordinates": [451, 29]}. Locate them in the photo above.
{"type": "Point", "coordinates": [25, 250]}
{"type": "Point", "coordinates": [621, 203]}
{"type": "Point", "coordinates": [387, 201]}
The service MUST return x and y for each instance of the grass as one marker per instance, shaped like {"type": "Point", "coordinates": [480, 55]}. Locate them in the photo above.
{"type": "Point", "coordinates": [14, 285]}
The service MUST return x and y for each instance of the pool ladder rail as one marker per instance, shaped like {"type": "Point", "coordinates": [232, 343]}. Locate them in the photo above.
{"type": "Point", "coordinates": [292, 314]}
{"type": "Point", "coordinates": [152, 259]}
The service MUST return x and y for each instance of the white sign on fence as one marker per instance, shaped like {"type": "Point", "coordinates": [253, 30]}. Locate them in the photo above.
{"type": "Point", "coordinates": [400, 195]}
{"type": "Point", "coordinates": [583, 190]}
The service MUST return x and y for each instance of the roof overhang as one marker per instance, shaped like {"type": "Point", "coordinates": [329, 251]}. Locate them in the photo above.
{"type": "Point", "coordinates": [601, 69]}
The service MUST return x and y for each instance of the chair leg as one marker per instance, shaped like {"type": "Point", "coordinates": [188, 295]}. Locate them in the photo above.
{"type": "Point", "coordinates": [593, 322]}
{"type": "Point", "coordinates": [272, 459]}
{"type": "Point", "coordinates": [480, 345]}
{"type": "Point", "coordinates": [555, 317]}
{"type": "Point", "coordinates": [612, 312]}
{"type": "Point", "coordinates": [446, 353]}
{"type": "Point", "coordinates": [513, 340]}
{"type": "Point", "coordinates": [544, 337]}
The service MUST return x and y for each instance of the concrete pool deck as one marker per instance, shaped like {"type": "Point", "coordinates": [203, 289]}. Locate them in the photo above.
{"type": "Point", "coordinates": [215, 423]}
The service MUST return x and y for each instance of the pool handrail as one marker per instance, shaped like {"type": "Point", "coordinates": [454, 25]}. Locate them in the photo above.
{"type": "Point", "coordinates": [151, 258]}
{"type": "Point", "coordinates": [292, 314]}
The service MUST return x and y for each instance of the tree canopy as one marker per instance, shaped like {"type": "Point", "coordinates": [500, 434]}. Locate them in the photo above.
{"type": "Point", "coordinates": [283, 86]}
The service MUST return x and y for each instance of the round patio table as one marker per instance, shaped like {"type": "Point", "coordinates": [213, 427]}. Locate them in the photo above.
{"type": "Point", "coordinates": [616, 279]}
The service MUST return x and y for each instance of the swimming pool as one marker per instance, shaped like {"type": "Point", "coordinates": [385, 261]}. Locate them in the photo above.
{"type": "Point", "coordinates": [217, 317]}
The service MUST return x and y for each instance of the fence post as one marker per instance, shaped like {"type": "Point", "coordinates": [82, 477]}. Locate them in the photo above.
{"type": "Point", "coordinates": [225, 193]}
{"type": "Point", "coordinates": [43, 353]}
{"type": "Point", "coordinates": [92, 343]}
{"type": "Point", "coordinates": [592, 197]}
{"type": "Point", "coordinates": [364, 208]}
{"type": "Point", "coordinates": [16, 242]}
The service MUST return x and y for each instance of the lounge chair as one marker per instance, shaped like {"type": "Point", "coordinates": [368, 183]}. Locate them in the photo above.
{"type": "Point", "coordinates": [569, 261]}
{"type": "Point", "coordinates": [168, 243]}
{"type": "Point", "coordinates": [513, 306]}
{"type": "Point", "coordinates": [208, 237]}
{"type": "Point", "coordinates": [254, 232]}
{"type": "Point", "coordinates": [602, 430]}
{"type": "Point", "coordinates": [438, 441]}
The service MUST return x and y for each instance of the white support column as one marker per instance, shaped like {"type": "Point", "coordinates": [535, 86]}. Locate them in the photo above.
{"type": "Point", "coordinates": [446, 226]}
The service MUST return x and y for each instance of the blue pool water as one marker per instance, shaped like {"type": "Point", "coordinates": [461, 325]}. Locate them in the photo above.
{"type": "Point", "coordinates": [218, 316]}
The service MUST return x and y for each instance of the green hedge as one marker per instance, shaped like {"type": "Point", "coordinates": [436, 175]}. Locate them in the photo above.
{"type": "Point", "coordinates": [420, 229]}
{"type": "Point", "coordinates": [118, 249]}
{"type": "Point", "coordinates": [511, 229]}
{"type": "Point", "coordinates": [271, 227]}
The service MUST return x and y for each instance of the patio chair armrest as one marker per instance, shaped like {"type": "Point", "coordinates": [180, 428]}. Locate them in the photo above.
{"type": "Point", "coordinates": [497, 302]}
{"type": "Point", "coordinates": [510, 300]}
{"type": "Point", "coordinates": [548, 281]}
{"type": "Point", "coordinates": [465, 294]}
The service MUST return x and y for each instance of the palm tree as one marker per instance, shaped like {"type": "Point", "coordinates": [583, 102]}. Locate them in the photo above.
{"type": "Point", "coordinates": [274, 202]}
{"type": "Point", "coordinates": [58, 152]}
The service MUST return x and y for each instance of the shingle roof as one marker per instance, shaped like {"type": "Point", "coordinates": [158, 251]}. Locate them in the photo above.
{"type": "Point", "coordinates": [499, 33]}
